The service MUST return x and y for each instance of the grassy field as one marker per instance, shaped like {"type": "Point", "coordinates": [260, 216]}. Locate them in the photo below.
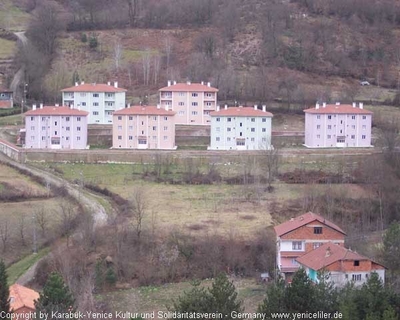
{"type": "Point", "coordinates": [11, 120]}
{"type": "Point", "coordinates": [7, 48]}
{"type": "Point", "coordinates": [11, 17]}
{"type": "Point", "coordinates": [149, 299]}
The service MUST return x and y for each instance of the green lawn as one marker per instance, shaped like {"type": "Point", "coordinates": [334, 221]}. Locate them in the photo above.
{"type": "Point", "coordinates": [7, 48]}
{"type": "Point", "coordinates": [11, 120]}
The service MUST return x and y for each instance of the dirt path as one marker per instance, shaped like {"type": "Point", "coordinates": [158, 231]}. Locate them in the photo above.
{"type": "Point", "coordinates": [18, 77]}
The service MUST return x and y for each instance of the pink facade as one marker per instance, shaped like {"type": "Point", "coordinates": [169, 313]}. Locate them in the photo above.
{"type": "Point", "coordinates": [338, 126]}
{"type": "Point", "coordinates": [144, 127]}
{"type": "Point", "coordinates": [192, 102]}
{"type": "Point", "coordinates": [56, 128]}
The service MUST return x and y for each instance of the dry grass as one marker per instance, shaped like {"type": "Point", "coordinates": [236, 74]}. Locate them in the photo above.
{"type": "Point", "coordinates": [7, 48]}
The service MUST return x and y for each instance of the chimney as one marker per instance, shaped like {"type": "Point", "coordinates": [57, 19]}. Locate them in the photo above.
{"type": "Point", "coordinates": [226, 107]}
{"type": "Point", "coordinates": [324, 105]}
{"type": "Point", "coordinates": [71, 106]}
{"type": "Point", "coordinates": [361, 105]}
{"type": "Point", "coordinates": [129, 104]}
{"type": "Point", "coordinates": [202, 83]}
{"type": "Point", "coordinates": [255, 107]}
{"type": "Point", "coordinates": [57, 105]}
{"type": "Point", "coordinates": [76, 84]}
{"type": "Point", "coordinates": [338, 103]}
{"type": "Point", "coordinates": [82, 82]}
{"type": "Point", "coordinates": [109, 83]}
{"type": "Point", "coordinates": [79, 106]}
{"type": "Point", "coordinates": [240, 106]}
{"type": "Point", "coordinates": [188, 82]}
{"type": "Point", "coordinates": [115, 84]}
{"type": "Point", "coordinates": [317, 106]}
{"type": "Point", "coordinates": [264, 108]}
{"type": "Point", "coordinates": [354, 104]}
{"type": "Point", "coordinates": [217, 108]}
{"type": "Point", "coordinates": [169, 83]}
{"type": "Point", "coordinates": [174, 82]}
{"type": "Point", "coordinates": [34, 107]}
{"type": "Point", "coordinates": [328, 252]}
{"type": "Point", "coordinates": [208, 84]}
{"type": "Point", "coordinates": [166, 107]}
{"type": "Point", "coordinates": [158, 106]}
{"type": "Point", "coordinates": [41, 106]}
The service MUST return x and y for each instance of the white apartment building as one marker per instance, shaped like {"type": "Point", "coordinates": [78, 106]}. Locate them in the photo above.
{"type": "Point", "coordinates": [100, 100]}
{"type": "Point", "coordinates": [238, 128]}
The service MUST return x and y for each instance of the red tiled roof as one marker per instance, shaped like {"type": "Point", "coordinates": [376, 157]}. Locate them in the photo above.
{"type": "Point", "coordinates": [4, 104]}
{"type": "Point", "coordinates": [22, 297]}
{"type": "Point", "coordinates": [193, 87]}
{"type": "Point", "coordinates": [243, 112]}
{"type": "Point", "coordinates": [143, 110]}
{"type": "Point", "coordinates": [338, 109]}
{"type": "Point", "coordinates": [327, 254]}
{"type": "Point", "coordinates": [93, 87]}
{"type": "Point", "coordinates": [287, 265]}
{"type": "Point", "coordinates": [57, 111]}
{"type": "Point", "coordinates": [301, 221]}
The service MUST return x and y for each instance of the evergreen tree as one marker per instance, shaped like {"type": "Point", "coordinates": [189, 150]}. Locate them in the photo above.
{"type": "Point", "coordinates": [275, 300]}
{"type": "Point", "coordinates": [327, 295]}
{"type": "Point", "coordinates": [4, 289]}
{"type": "Point", "coordinates": [347, 302]}
{"type": "Point", "coordinates": [224, 297]}
{"type": "Point", "coordinates": [391, 248]}
{"type": "Point", "coordinates": [55, 296]}
{"type": "Point", "coordinates": [390, 314]}
{"type": "Point", "coordinates": [300, 295]}
{"type": "Point", "coordinates": [195, 300]}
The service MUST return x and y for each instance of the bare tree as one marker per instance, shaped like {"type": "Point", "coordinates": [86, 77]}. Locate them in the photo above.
{"type": "Point", "coordinates": [5, 233]}
{"type": "Point", "coordinates": [270, 162]}
{"type": "Point", "coordinates": [21, 229]}
{"type": "Point", "coordinates": [133, 8]}
{"type": "Point", "coordinates": [68, 220]}
{"type": "Point", "coordinates": [168, 47]}
{"type": "Point", "coordinates": [146, 64]}
{"type": "Point", "coordinates": [40, 218]}
{"type": "Point", "coordinates": [118, 50]}
{"type": "Point", "coordinates": [139, 207]}
{"type": "Point", "coordinates": [156, 68]}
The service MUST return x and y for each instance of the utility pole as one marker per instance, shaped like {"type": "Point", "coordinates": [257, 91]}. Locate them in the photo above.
{"type": "Point", "coordinates": [34, 234]}
{"type": "Point", "coordinates": [24, 98]}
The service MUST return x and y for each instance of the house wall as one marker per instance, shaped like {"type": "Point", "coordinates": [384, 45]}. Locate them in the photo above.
{"type": "Point", "coordinates": [190, 107]}
{"type": "Point", "coordinates": [323, 130]}
{"type": "Point", "coordinates": [227, 130]}
{"type": "Point", "coordinates": [100, 105]}
{"type": "Point", "coordinates": [307, 232]}
{"type": "Point", "coordinates": [157, 130]}
{"type": "Point", "coordinates": [71, 132]}
{"type": "Point", "coordinates": [7, 100]}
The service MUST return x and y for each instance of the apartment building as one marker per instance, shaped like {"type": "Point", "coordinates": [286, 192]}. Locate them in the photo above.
{"type": "Point", "coordinates": [192, 102]}
{"type": "Point", "coordinates": [144, 127]}
{"type": "Point", "coordinates": [338, 126]}
{"type": "Point", "coordinates": [99, 100]}
{"type": "Point", "coordinates": [301, 235]}
{"type": "Point", "coordinates": [238, 128]}
{"type": "Point", "coordinates": [342, 265]}
{"type": "Point", "coordinates": [54, 127]}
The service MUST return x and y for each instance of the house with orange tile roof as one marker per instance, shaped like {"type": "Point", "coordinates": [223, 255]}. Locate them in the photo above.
{"type": "Point", "coordinates": [98, 99]}
{"type": "Point", "coordinates": [300, 235]}
{"type": "Point", "coordinates": [22, 300]}
{"type": "Point", "coordinates": [340, 264]}
{"type": "Point", "coordinates": [192, 102]}
{"type": "Point", "coordinates": [144, 127]}
{"type": "Point", "coordinates": [241, 128]}
{"type": "Point", "coordinates": [6, 99]}
{"type": "Point", "coordinates": [338, 126]}
{"type": "Point", "coordinates": [56, 127]}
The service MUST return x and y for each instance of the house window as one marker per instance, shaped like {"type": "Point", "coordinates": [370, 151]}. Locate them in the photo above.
{"type": "Point", "coordinates": [95, 95]}
{"type": "Point", "coordinates": [165, 137]}
{"type": "Point", "coordinates": [142, 131]}
{"type": "Point", "coordinates": [181, 113]}
{"type": "Point", "coordinates": [317, 230]}
{"type": "Point", "coordinates": [218, 119]}
{"type": "Point", "coordinates": [240, 134]}
{"type": "Point", "coordinates": [318, 117]}
{"type": "Point", "coordinates": [356, 277]}
{"type": "Point", "coordinates": [194, 104]}
{"type": "Point", "coordinates": [329, 136]}
{"type": "Point", "coordinates": [317, 245]}
{"type": "Point", "coordinates": [364, 127]}
{"type": "Point", "coordinates": [319, 126]}
{"type": "Point", "coordinates": [67, 138]}
{"type": "Point", "coordinates": [228, 129]}
{"type": "Point", "coordinates": [217, 139]}
{"type": "Point", "coordinates": [155, 118]}
{"type": "Point", "coordinates": [130, 137]}
{"type": "Point", "coordinates": [364, 117]}
{"type": "Point", "coordinates": [194, 94]}
{"type": "Point", "coordinates": [55, 133]}
{"type": "Point", "coordinates": [353, 117]}
{"type": "Point", "coordinates": [329, 127]}
{"type": "Point", "coordinates": [240, 142]}
{"type": "Point", "coordinates": [95, 104]}
{"type": "Point", "coordinates": [32, 128]}
{"type": "Point", "coordinates": [130, 118]}
{"type": "Point", "coordinates": [264, 130]}
{"type": "Point", "coordinates": [78, 138]}
{"type": "Point", "coordinates": [130, 128]}
{"type": "Point", "coordinates": [119, 118]}
{"type": "Point", "coordinates": [194, 113]}
{"type": "Point", "coordinates": [228, 139]}
{"type": "Point", "coordinates": [329, 117]}
{"type": "Point", "coordinates": [83, 104]}
{"type": "Point", "coordinates": [341, 121]}
{"type": "Point", "coordinates": [66, 118]}
{"type": "Point", "coordinates": [32, 138]}
{"type": "Point", "coordinates": [208, 104]}
{"type": "Point", "coordinates": [78, 119]}
{"type": "Point", "coordinates": [95, 113]}
{"type": "Point", "coordinates": [294, 262]}
{"type": "Point", "coordinates": [78, 128]}
{"type": "Point", "coordinates": [218, 129]}
{"type": "Point", "coordinates": [229, 119]}
{"type": "Point", "coordinates": [119, 128]}
{"type": "Point", "coordinates": [253, 129]}
{"type": "Point", "coordinates": [297, 245]}
{"type": "Point", "coordinates": [253, 119]}
{"type": "Point", "coordinates": [67, 128]}
{"type": "Point", "coordinates": [363, 137]}
{"type": "Point", "coordinates": [264, 119]}
{"type": "Point", "coordinates": [356, 263]}
{"type": "Point", "coordinates": [142, 141]}
{"type": "Point", "coordinates": [55, 123]}
{"type": "Point", "coordinates": [318, 136]}
{"type": "Point", "coordinates": [252, 139]}
{"type": "Point", "coordinates": [119, 137]}
{"type": "Point", "coordinates": [31, 118]}
{"type": "Point", "coordinates": [83, 94]}
{"type": "Point", "coordinates": [353, 136]}
{"type": "Point", "coordinates": [142, 123]}
{"type": "Point", "coordinates": [166, 118]}
{"type": "Point", "coordinates": [165, 128]}
{"type": "Point", "coordinates": [209, 94]}
{"type": "Point", "coordinates": [43, 118]}
{"type": "Point", "coordinates": [353, 126]}
{"type": "Point", "coordinates": [240, 124]}
{"type": "Point", "coordinates": [43, 128]}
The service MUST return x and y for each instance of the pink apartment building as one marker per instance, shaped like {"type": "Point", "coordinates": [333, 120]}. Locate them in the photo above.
{"type": "Point", "coordinates": [338, 126]}
{"type": "Point", "coordinates": [144, 127]}
{"type": "Point", "coordinates": [192, 102]}
{"type": "Point", "coordinates": [54, 127]}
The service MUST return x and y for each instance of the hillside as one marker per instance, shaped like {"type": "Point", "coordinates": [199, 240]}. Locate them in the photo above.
{"type": "Point", "coordinates": [253, 51]}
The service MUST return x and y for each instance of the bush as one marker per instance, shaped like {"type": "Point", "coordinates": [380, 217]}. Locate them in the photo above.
{"type": "Point", "coordinates": [93, 42]}
{"type": "Point", "coordinates": [84, 37]}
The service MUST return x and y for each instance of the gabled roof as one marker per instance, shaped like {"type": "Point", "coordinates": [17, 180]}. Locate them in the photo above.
{"type": "Point", "coordinates": [22, 297]}
{"type": "Point", "coordinates": [337, 109]}
{"type": "Point", "coordinates": [302, 220]}
{"type": "Point", "coordinates": [93, 87]}
{"type": "Point", "coordinates": [193, 87]}
{"type": "Point", "coordinates": [144, 110]}
{"type": "Point", "coordinates": [327, 254]}
{"type": "Point", "coordinates": [56, 111]}
{"type": "Point", "coordinates": [241, 112]}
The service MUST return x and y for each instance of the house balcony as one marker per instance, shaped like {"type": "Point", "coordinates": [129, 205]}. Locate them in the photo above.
{"type": "Point", "coordinates": [166, 96]}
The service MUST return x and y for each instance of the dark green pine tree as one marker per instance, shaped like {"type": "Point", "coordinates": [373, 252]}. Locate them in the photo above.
{"type": "Point", "coordinates": [195, 300]}
{"type": "Point", "coordinates": [300, 295]}
{"type": "Point", "coordinates": [224, 298]}
{"type": "Point", "coordinates": [275, 300]}
{"type": "Point", "coordinates": [327, 295]}
{"type": "Point", "coordinates": [4, 289]}
{"type": "Point", "coordinates": [55, 297]}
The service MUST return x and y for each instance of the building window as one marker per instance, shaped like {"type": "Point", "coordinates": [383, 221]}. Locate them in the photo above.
{"type": "Point", "coordinates": [181, 94]}
{"type": "Point", "coordinates": [240, 124]}
{"type": "Point", "coordinates": [181, 113]}
{"type": "Point", "coordinates": [364, 117]}
{"type": "Point", "coordinates": [142, 141]}
{"type": "Point", "coordinates": [95, 95]}
{"type": "Point", "coordinates": [130, 118]}
{"type": "Point", "coordinates": [142, 123]}
{"type": "Point", "coordinates": [364, 127]}
{"type": "Point", "coordinates": [32, 138]}
{"type": "Point", "coordinates": [218, 129]}
{"type": "Point", "coordinates": [317, 245]}
{"type": "Point", "coordinates": [32, 128]}
{"type": "Point", "coordinates": [208, 104]}
{"type": "Point", "coordinates": [119, 118]}
{"type": "Point", "coordinates": [228, 129]}
{"type": "Point", "coordinates": [154, 128]}
{"type": "Point", "coordinates": [66, 118]}
{"type": "Point", "coordinates": [43, 128]}
{"type": "Point", "coordinates": [264, 130]}
{"type": "Point", "coordinates": [240, 142]}
{"type": "Point", "coordinates": [194, 94]}
{"type": "Point", "coordinates": [329, 117]}
{"type": "Point", "coordinates": [194, 104]}
{"type": "Point", "coordinates": [356, 277]}
{"type": "Point", "coordinates": [194, 113]}
{"type": "Point", "coordinates": [229, 119]}
{"type": "Point", "coordinates": [83, 94]}
{"type": "Point", "coordinates": [353, 126]}
{"type": "Point", "coordinates": [55, 123]}
{"type": "Point", "coordinates": [67, 128]}
{"type": "Point", "coordinates": [78, 128]}
{"type": "Point", "coordinates": [78, 138]}
{"type": "Point", "coordinates": [95, 104]}
{"type": "Point", "coordinates": [264, 119]}
{"type": "Point", "coordinates": [356, 263]}
{"type": "Point", "coordinates": [252, 139]}
{"type": "Point", "coordinates": [319, 126]}
{"type": "Point", "coordinates": [217, 139]}
{"type": "Point", "coordinates": [228, 139]}
{"type": "Point", "coordinates": [130, 128]}
{"type": "Point", "coordinates": [318, 117]}
{"type": "Point", "coordinates": [165, 137]}
{"type": "Point", "coordinates": [341, 121]}
{"type": "Point", "coordinates": [55, 133]}
{"type": "Point", "coordinates": [209, 94]}
{"type": "Point", "coordinates": [155, 118]}
{"type": "Point", "coordinates": [353, 117]}
{"type": "Point", "coordinates": [218, 119]}
{"type": "Point", "coordinates": [165, 128]}
{"type": "Point", "coordinates": [240, 134]}
{"type": "Point", "coordinates": [95, 113]}
{"type": "Point", "coordinates": [297, 245]}
{"type": "Point", "coordinates": [318, 136]}
{"type": "Point", "coordinates": [253, 129]}
{"type": "Point", "coordinates": [130, 137]}
{"type": "Point", "coordinates": [329, 136]}
{"type": "Point", "coordinates": [119, 128]}
{"type": "Point", "coordinates": [119, 137]}
{"type": "Point", "coordinates": [253, 119]}
{"type": "Point", "coordinates": [363, 137]}
{"type": "Point", "coordinates": [353, 136]}
{"type": "Point", "coordinates": [31, 118]}
{"type": "Point", "coordinates": [142, 131]}
{"type": "Point", "coordinates": [43, 118]}
{"type": "Point", "coordinates": [83, 104]}
{"type": "Point", "coordinates": [329, 127]}
{"type": "Point", "coordinates": [317, 230]}
{"type": "Point", "coordinates": [78, 119]}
